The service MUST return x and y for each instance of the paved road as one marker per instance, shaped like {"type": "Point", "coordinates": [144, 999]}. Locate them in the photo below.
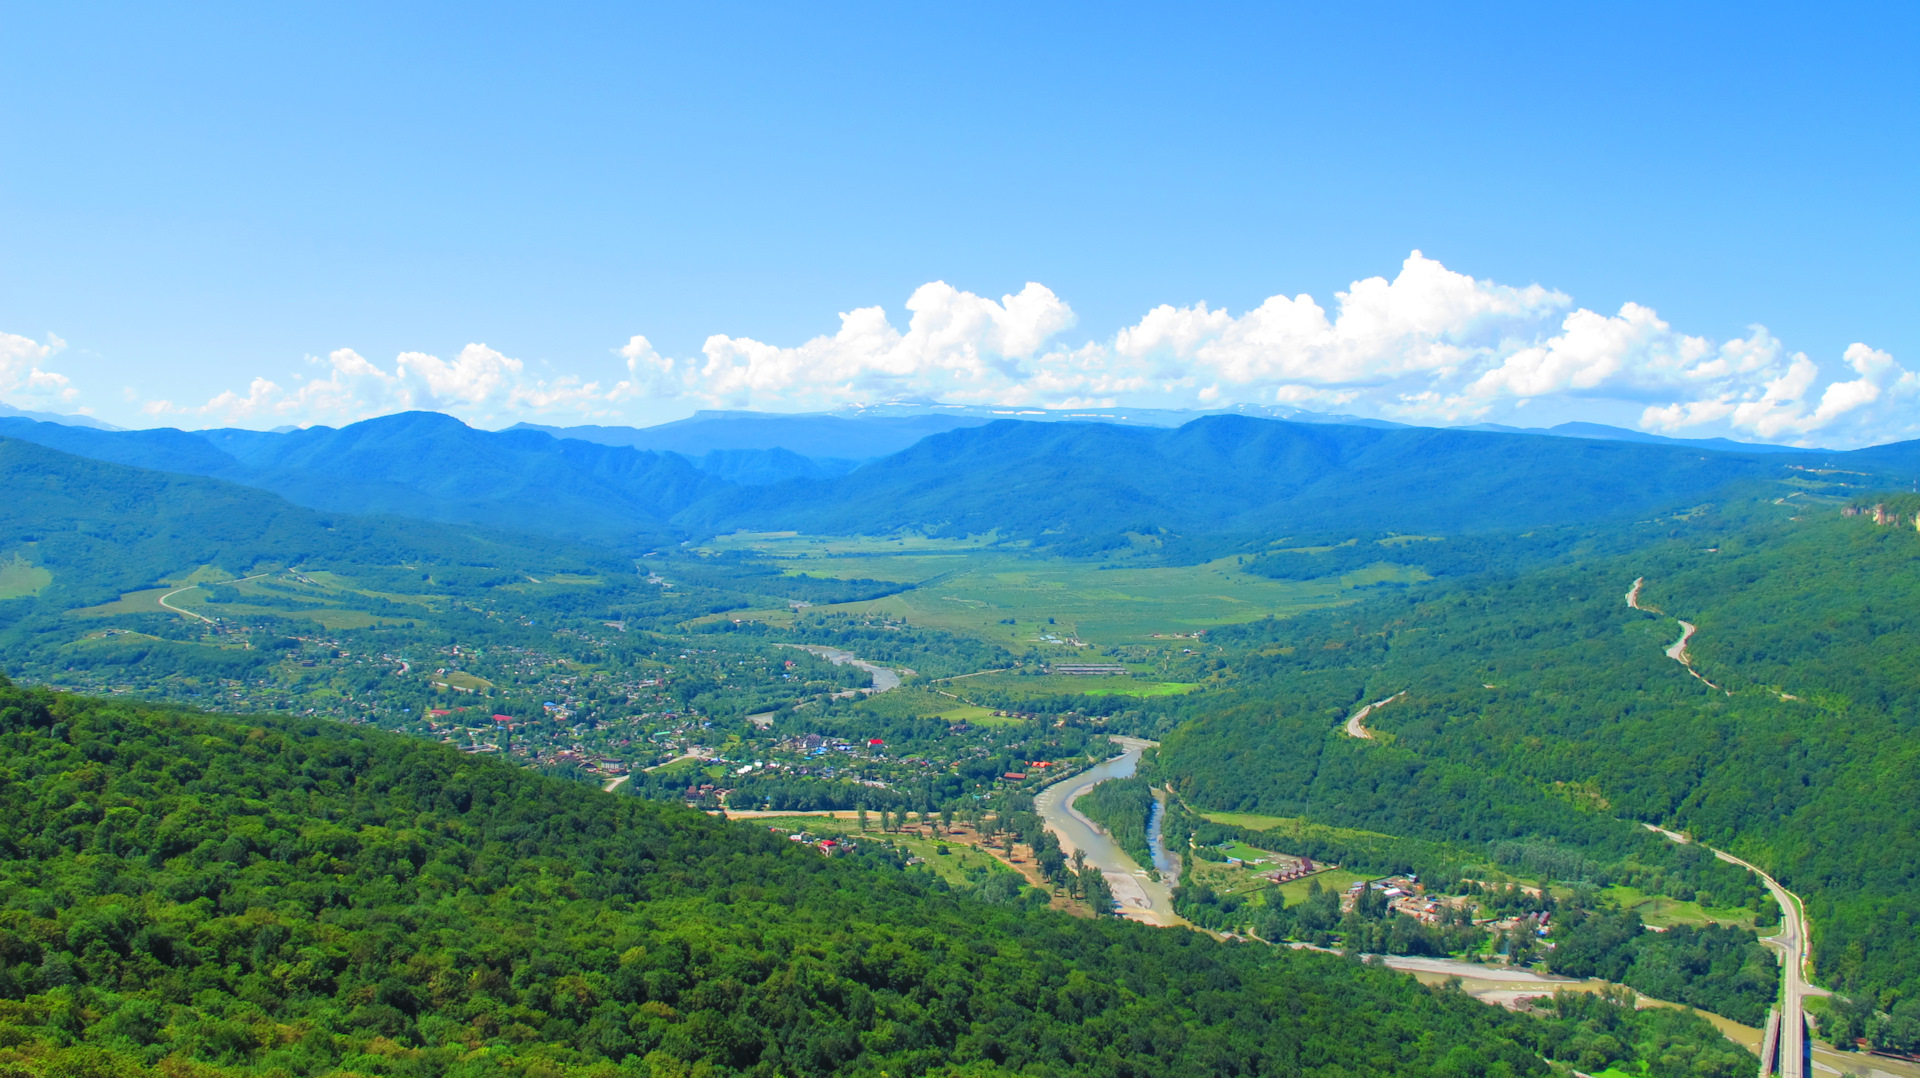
{"type": "Point", "coordinates": [190, 587]}
{"type": "Point", "coordinates": [1792, 941]}
{"type": "Point", "coordinates": [1678, 652]}
{"type": "Point", "coordinates": [1354, 729]}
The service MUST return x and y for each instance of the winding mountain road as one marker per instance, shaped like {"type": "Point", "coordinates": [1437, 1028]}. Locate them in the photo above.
{"type": "Point", "coordinates": [190, 587]}
{"type": "Point", "coordinates": [1354, 729]}
{"type": "Point", "coordinates": [1678, 651]}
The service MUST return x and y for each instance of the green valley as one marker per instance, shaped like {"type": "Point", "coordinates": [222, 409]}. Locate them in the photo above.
{"type": "Point", "coordinates": [1533, 719]}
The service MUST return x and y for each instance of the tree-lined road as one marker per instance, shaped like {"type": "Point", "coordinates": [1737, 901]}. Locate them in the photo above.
{"type": "Point", "coordinates": [1354, 729]}
{"type": "Point", "coordinates": [1791, 941]}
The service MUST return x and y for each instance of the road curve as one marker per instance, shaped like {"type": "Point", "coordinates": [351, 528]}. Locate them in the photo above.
{"type": "Point", "coordinates": [1792, 942]}
{"type": "Point", "coordinates": [190, 587]}
{"type": "Point", "coordinates": [1354, 729]}
{"type": "Point", "coordinates": [1678, 652]}
{"type": "Point", "coordinates": [179, 610]}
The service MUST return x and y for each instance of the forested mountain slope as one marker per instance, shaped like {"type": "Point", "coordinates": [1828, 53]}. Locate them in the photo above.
{"type": "Point", "coordinates": [1087, 484]}
{"type": "Point", "coordinates": [1078, 486]}
{"type": "Point", "coordinates": [101, 529]}
{"type": "Point", "coordinates": [809, 435]}
{"type": "Point", "coordinates": [426, 466]}
{"type": "Point", "coordinates": [1540, 709]}
{"type": "Point", "coordinates": [271, 896]}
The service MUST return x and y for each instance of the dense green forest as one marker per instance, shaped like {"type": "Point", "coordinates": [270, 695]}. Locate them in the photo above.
{"type": "Point", "coordinates": [264, 895]}
{"type": "Point", "coordinates": [1542, 717]}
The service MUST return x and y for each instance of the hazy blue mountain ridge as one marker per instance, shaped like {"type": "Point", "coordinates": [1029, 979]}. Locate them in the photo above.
{"type": "Point", "coordinates": [808, 435]}
{"type": "Point", "coordinates": [1238, 474]}
{"type": "Point", "coordinates": [1622, 434]}
{"type": "Point", "coordinates": [163, 449]}
{"type": "Point", "coordinates": [1074, 486]}
{"type": "Point", "coordinates": [760, 467]}
{"type": "Point", "coordinates": [423, 465]}
{"type": "Point", "coordinates": [102, 528]}
{"type": "Point", "coordinates": [56, 417]}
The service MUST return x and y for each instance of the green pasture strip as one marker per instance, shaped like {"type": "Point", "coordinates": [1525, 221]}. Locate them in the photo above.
{"type": "Point", "coordinates": [1151, 688]}
{"type": "Point", "coordinates": [1067, 685]}
{"type": "Point", "coordinates": [1008, 600]}
{"type": "Point", "coordinates": [1664, 911]}
{"type": "Point", "coordinates": [145, 601]}
{"type": "Point", "coordinates": [1245, 852]}
{"type": "Point", "coordinates": [906, 568]}
{"type": "Point", "coordinates": [794, 544]}
{"type": "Point", "coordinates": [1250, 821]}
{"type": "Point", "coordinates": [20, 578]}
{"type": "Point", "coordinates": [1255, 822]}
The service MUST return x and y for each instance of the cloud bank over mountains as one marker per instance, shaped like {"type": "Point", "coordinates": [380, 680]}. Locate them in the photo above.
{"type": "Point", "coordinates": [1431, 346]}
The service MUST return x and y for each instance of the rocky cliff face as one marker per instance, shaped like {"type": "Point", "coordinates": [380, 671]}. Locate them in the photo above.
{"type": "Point", "coordinates": [1897, 511]}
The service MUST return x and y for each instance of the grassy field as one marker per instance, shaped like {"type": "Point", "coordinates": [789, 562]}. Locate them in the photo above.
{"type": "Point", "coordinates": [1254, 822]}
{"type": "Point", "coordinates": [20, 578]}
{"type": "Point", "coordinates": [796, 545]}
{"type": "Point", "coordinates": [1250, 821]}
{"type": "Point", "coordinates": [1061, 603]}
{"type": "Point", "coordinates": [1066, 685]}
{"type": "Point", "coordinates": [1295, 892]}
{"type": "Point", "coordinates": [133, 602]}
{"type": "Point", "coordinates": [335, 595]}
{"type": "Point", "coordinates": [1662, 911]}
{"type": "Point", "coordinates": [460, 679]}
{"type": "Point", "coordinates": [1245, 852]}
{"type": "Point", "coordinates": [1001, 594]}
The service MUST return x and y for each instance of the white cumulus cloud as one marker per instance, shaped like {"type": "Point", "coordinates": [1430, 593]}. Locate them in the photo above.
{"type": "Point", "coordinates": [479, 384]}
{"type": "Point", "coordinates": [1430, 345]}
{"type": "Point", "coordinates": [23, 373]}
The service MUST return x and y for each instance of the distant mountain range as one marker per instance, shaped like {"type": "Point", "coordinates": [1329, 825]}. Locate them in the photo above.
{"type": "Point", "coordinates": [56, 417]}
{"type": "Point", "coordinates": [1070, 481]}
{"type": "Point", "coordinates": [863, 433]}
{"type": "Point", "coordinates": [853, 435]}
{"type": "Point", "coordinates": [1622, 434]}
{"type": "Point", "coordinates": [1069, 484]}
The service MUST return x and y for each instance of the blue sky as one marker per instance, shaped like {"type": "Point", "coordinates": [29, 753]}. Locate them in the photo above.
{"type": "Point", "coordinates": [236, 215]}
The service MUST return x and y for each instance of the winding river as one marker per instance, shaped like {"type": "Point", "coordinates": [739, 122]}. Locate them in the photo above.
{"type": "Point", "coordinates": [884, 678]}
{"type": "Point", "coordinates": [1140, 896]}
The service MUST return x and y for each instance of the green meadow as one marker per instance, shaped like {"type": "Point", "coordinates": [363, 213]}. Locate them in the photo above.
{"type": "Point", "coordinates": [1006, 595]}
